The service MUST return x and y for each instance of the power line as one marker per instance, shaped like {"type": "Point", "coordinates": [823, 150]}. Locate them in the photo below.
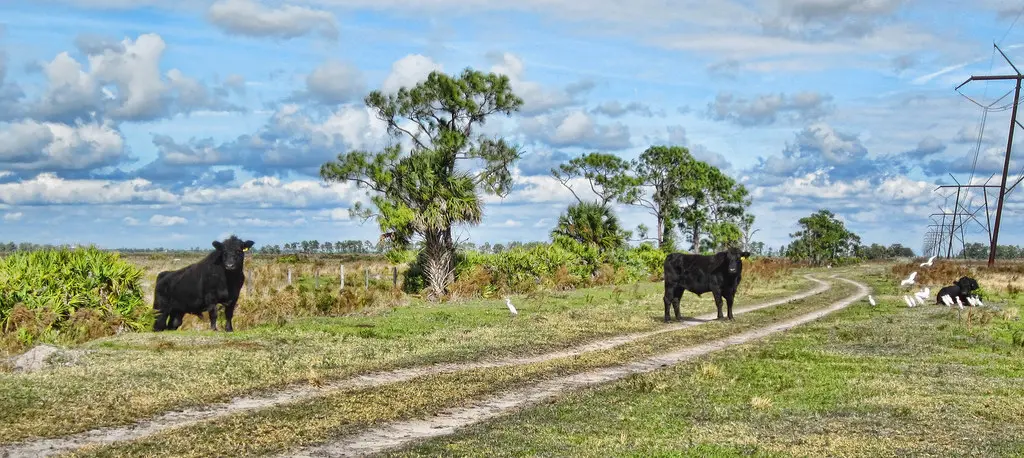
{"type": "Point", "coordinates": [1011, 25]}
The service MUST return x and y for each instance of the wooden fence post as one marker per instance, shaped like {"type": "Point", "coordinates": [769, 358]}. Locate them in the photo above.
{"type": "Point", "coordinates": [342, 276]}
{"type": "Point", "coordinates": [316, 279]}
{"type": "Point", "coordinates": [394, 276]}
{"type": "Point", "coordinates": [289, 275]}
{"type": "Point", "coordinates": [366, 277]}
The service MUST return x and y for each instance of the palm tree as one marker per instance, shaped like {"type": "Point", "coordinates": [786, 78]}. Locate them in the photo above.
{"type": "Point", "coordinates": [590, 223]}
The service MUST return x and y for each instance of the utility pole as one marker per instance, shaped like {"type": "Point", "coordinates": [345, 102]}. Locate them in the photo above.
{"type": "Point", "coordinates": [1009, 145]}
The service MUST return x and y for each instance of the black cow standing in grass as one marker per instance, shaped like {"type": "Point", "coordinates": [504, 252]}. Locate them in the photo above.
{"type": "Point", "coordinates": [719, 273]}
{"type": "Point", "coordinates": [199, 287]}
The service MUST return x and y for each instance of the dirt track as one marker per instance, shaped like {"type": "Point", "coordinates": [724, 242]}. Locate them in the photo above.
{"type": "Point", "coordinates": [404, 433]}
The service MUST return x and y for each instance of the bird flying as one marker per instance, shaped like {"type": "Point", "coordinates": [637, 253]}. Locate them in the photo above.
{"type": "Point", "coordinates": [929, 263]}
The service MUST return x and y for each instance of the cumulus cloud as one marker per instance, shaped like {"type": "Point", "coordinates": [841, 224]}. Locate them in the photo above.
{"type": "Point", "coordinates": [575, 128]}
{"type": "Point", "coordinates": [49, 189]}
{"type": "Point", "coordinates": [676, 135]}
{"type": "Point", "coordinates": [32, 146]}
{"type": "Point", "coordinates": [336, 82]}
{"type": "Point", "coordinates": [928, 146]}
{"type": "Point", "coordinates": [409, 71]}
{"type": "Point", "coordinates": [767, 109]}
{"type": "Point", "coordinates": [540, 162]}
{"type": "Point", "coordinates": [13, 216]}
{"type": "Point", "coordinates": [123, 83]}
{"type": "Point", "coordinates": [254, 19]}
{"type": "Point", "coordinates": [987, 162]}
{"type": "Point", "coordinates": [292, 141]}
{"type": "Point", "coordinates": [817, 147]}
{"type": "Point", "coordinates": [537, 99]}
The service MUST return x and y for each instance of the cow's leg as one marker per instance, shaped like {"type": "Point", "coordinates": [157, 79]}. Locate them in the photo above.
{"type": "Point", "coordinates": [676, 296]}
{"type": "Point", "coordinates": [175, 322]}
{"type": "Point", "coordinates": [718, 303]}
{"type": "Point", "coordinates": [161, 321]}
{"type": "Point", "coordinates": [668, 302]}
{"type": "Point", "coordinates": [229, 311]}
{"type": "Point", "coordinates": [728, 301]}
{"type": "Point", "coordinates": [213, 317]}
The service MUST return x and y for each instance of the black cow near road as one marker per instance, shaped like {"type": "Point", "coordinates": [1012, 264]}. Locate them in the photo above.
{"type": "Point", "coordinates": [960, 288]}
{"type": "Point", "coordinates": [719, 273]}
{"type": "Point", "coordinates": [199, 287]}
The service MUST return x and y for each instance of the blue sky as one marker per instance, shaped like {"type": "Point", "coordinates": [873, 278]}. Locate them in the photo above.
{"type": "Point", "coordinates": [134, 123]}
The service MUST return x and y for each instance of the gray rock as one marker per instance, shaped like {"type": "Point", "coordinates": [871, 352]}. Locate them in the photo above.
{"type": "Point", "coordinates": [35, 359]}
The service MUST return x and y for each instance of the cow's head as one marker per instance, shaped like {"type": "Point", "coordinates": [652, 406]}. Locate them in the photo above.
{"type": "Point", "coordinates": [732, 259]}
{"type": "Point", "coordinates": [967, 284]}
{"type": "Point", "coordinates": [232, 251]}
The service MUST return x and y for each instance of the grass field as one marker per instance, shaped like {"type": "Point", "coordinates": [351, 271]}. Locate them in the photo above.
{"type": "Point", "coordinates": [131, 376]}
{"type": "Point", "coordinates": [863, 381]}
{"type": "Point", "coordinates": [350, 410]}
{"type": "Point", "coordinates": [884, 381]}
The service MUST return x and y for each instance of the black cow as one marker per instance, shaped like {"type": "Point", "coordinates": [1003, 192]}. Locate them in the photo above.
{"type": "Point", "coordinates": [960, 288]}
{"type": "Point", "coordinates": [719, 273]}
{"type": "Point", "coordinates": [199, 287]}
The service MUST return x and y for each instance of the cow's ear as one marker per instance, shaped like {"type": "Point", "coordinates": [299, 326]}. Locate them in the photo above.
{"type": "Point", "coordinates": [745, 254]}
{"type": "Point", "coordinates": [217, 245]}
{"type": "Point", "coordinates": [247, 244]}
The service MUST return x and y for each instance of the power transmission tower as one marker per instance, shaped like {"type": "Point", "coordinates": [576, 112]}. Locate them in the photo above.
{"type": "Point", "coordinates": [1009, 145]}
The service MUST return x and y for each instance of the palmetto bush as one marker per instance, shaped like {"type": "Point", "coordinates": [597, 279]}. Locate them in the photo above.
{"type": "Point", "coordinates": [62, 294]}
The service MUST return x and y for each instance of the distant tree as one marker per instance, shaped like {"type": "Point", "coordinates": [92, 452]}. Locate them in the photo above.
{"type": "Point", "coordinates": [660, 171]}
{"type": "Point", "coordinates": [713, 206]}
{"type": "Point", "coordinates": [423, 193]}
{"type": "Point", "coordinates": [607, 175]}
{"type": "Point", "coordinates": [822, 238]}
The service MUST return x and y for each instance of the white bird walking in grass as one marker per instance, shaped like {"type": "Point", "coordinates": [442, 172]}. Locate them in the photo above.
{"type": "Point", "coordinates": [909, 280]}
{"type": "Point", "coordinates": [511, 308]}
{"type": "Point", "coordinates": [871, 300]}
{"type": "Point", "coordinates": [929, 263]}
{"type": "Point", "coordinates": [908, 300]}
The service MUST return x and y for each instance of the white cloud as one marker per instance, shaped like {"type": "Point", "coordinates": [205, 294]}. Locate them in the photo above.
{"type": "Point", "coordinates": [129, 221]}
{"type": "Point", "coordinates": [47, 188]}
{"type": "Point", "coordinates": [254, 19]}
{"type": "Point", "coordinates": [336, 82]}
{"type": "Point", "coordinates": [268, 192]}
{"type": "Point", "coordinates": [123, 82]}
{"type": "Point", "coordinates": [15, 216]}
{"type": "Point", "coordinates": [409, 71]}
{"type": "Point", "coordinates": [536, 98]}
{"type": "Point", "coordinates": [164, 221]}
{"type": "Point", "coordinates": [576, 128]}
{"type": "Point", "coordinates": [35, 146]}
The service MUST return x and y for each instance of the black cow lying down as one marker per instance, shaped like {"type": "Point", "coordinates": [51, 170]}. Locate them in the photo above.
{"type": "Point", "coordinates": [960, 288]}
{"type": "Point", "coordinates": [719, 273]}
{"type": "Point", "coordinates": [199, 287]}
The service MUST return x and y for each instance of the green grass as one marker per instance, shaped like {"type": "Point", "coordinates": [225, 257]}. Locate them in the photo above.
{"type": "Point", "coordinates": [315, 420]}
{"type": "Point", "coordinates": [884, 381]}
{"type": "Point", "coordinates": [134, 376]}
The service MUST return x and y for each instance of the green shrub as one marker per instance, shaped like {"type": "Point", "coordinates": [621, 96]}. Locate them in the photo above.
{"type": "Point", "coordinates": [70, 293]}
